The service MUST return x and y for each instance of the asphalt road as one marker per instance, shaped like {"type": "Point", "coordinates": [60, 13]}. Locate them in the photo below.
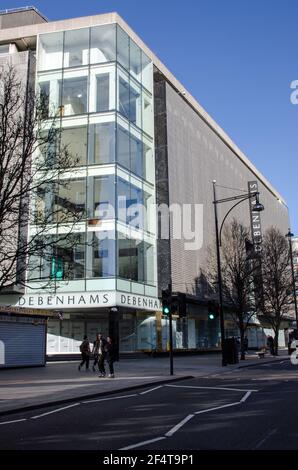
{"type": "Point", "coordinates": [250, 408]}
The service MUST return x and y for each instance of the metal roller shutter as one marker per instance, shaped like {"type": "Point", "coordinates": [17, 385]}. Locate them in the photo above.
{"type": "Point", "coordinates": [24, 344]}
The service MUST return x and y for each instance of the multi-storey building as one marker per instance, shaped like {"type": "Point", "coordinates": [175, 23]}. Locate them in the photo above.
{"type": "Point", "coordinates": [140, 139]}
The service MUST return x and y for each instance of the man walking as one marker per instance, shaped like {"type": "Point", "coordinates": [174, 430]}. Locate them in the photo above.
{"type": "Point", "coordinates": [85, 352]}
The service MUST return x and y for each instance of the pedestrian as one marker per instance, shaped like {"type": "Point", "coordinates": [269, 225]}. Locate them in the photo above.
{"type": "Point", "coordinates": [270, 344]}
{"type": "Point", "coordinates": [99, 354]}
{"type": "Point", "coordinates": [85, 352]}
{"type": "Point", "coordinates": [110, 356]}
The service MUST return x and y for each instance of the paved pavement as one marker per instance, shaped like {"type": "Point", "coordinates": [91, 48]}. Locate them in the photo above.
{"type": "Point", "coordinates": [249, 408]}
{"type": "Point", "coordinates": [61, 382]}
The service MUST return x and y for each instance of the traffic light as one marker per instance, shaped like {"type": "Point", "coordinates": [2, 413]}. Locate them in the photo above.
{"type": "Point", "coordinates": [166, 300]}
{"type": "Point", "coordinates": [182, 304]}
{"type": "Point", "coordinates": [212, 311]}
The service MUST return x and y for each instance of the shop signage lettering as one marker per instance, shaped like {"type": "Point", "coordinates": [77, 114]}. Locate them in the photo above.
{"type": "Point", "coordinates": [255, 217]}
{"type": "Point", "coordinates": [88, 300]}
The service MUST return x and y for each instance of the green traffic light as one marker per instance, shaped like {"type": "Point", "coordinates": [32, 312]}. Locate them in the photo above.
{"type": "Point", "coordinates": [211, 316]}
{"type": "Point", "coordinates": [166, 310]}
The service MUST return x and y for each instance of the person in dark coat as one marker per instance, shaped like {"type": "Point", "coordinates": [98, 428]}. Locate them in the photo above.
{"type": "Point", "coordinates": [85, 352]}
{"type": "Point", "coordinates": [110, 355]}
{"type": "Point", "coordinates": [270, 344]}
{"type": "Point", "coordinates": [99, 354]}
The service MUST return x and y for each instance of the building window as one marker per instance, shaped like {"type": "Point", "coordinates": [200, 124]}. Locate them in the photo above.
{"type": "Point", "coordinates": [76, 48]}
{"type": "Point", "coordinates": [103, 44]}
{"type": "Point", "coordinates": [74, 96]}
{"type": "Point", "coordinates": [4, 49]}
{"type": "Point", "coordinates": [102, 143]}
{"type": "Point", "coordinates": [102, 92]}
{"type": "Point", "coordinates": [123, 156]}
{"type": "Point", "coordinates": [71, 200]}
{"type": "Point", "coordinates": [122, 48]}
{"type": "Point", "coordinates": [101, 191]}
{"type": "Point", "coordinates": [50, 51]}
{"type": "Point", "coordinates": [103, 254]}
{"type": "Point", "coordinates": [129, 203]}
{"type": "Point", "coordinates": [129, 104]}
{"type": "Point", "coordinates": [69, 258]}
{"type": "Point", "coordinates": [74, 142]}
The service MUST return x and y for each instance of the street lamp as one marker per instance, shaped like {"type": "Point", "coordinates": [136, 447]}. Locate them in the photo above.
{"type": "Point", "coordinates": [289, 235]}
{"type": "Point", "coordinates": [257, 207]}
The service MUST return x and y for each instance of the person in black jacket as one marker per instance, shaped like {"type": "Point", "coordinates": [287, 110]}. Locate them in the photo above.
{"type": "Point", "coordinates": [85, 352]}
{"type": "Point", "coordinates": [110, 355]}
{"type": "Point", "coordinates": [99, 354]}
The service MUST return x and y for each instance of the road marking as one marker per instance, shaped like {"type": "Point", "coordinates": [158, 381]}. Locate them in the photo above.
{"type": "Point", "coordinates": [15, 421]}
{"type": "Point", "coordinates": [150, 390]}
{"type": "Point", "coordinates": [213, 388]}
{"type": "Point", "coordinates": [178, 426]}
{"type": "Point", "coordinates": [55, 411]}
{"type": "Point", "coordinates": [243, 399]}
{"type": "Point", "coordinates": [217, 408]}
{"type": "Point", "coordinates": [110, 398]}
{"type": "Point", "coordinates": [143, 443]}
{"type": "Point", "coordinates": [270, 433]}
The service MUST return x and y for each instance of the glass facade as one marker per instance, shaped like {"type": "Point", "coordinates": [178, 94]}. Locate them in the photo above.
{"type": "Point", "coordinates": [98, 84]}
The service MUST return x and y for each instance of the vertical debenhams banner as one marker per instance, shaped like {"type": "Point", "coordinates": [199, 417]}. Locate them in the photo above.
{"type": "Point", "coordinates": [255, 217]}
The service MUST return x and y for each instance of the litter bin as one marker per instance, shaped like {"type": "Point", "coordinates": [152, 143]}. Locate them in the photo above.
{"type": "Point", "coordinates": [231, 352]}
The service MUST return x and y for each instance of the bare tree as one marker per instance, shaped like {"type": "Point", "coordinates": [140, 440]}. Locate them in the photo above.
{"type": "Point", "coordinates": [34, 166]}
{"type": "Point", "coordinates": [239, 276]}
{"type": "Point", "coordinates": [277, 280]}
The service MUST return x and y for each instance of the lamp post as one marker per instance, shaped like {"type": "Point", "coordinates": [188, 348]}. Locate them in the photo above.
{"type": "Point", "coordinates": [289, 235]}
{"type": "Point", "coordinates": [258, 207]}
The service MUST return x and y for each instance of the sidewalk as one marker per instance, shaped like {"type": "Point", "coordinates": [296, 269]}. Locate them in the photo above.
{"type": "Point", "coordinates": [60, 382]}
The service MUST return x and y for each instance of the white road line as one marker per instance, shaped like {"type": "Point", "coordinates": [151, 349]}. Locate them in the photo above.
{"type": "Point", "coordinates": [217, 408]}
{"type": "Point", "coordinates": [178, 426]}
{"type": "Point", "coordinates": [270, 433]}
{"type": "Point", "coordinates": [213, 388]}
{"type": "Point", "coordinates": [143, 443]}
{"type": "Point", "coordinates": [245, 397]}
{"type": "Point", "coordinates": [150, 390]}
{"type": "Point", "coordinates": [110, 398]}
{"type": "Point", "coordinates": [15, 421]}
{"type": "Point", "coordinates": [54, 411]}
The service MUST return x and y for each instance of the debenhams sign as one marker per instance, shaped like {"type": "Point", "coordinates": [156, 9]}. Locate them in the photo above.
{"type": "Point", "coordinates": [89, 300]}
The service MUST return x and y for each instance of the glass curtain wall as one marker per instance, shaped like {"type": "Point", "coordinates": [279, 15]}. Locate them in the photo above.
{"type": "Point", "coordinates": [97, 87]}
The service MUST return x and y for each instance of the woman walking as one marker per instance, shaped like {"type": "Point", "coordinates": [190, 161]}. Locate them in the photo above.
{"type": "Point", "coordinates": [99, 354]}
{"type": "Point", "coordinates": [110, 356]}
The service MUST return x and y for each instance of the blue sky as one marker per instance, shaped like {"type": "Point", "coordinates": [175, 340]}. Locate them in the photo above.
{"type": "Point", "coordinates": [237, 58]}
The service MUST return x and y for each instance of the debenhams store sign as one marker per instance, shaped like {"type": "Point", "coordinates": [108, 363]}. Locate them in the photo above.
{"type": "Point", "coordinates": [89, 300]}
